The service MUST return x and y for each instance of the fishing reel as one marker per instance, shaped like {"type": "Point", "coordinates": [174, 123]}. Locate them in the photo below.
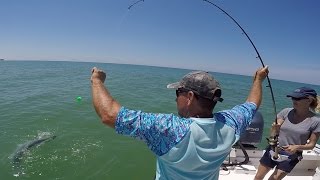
{"type": "Point", "coordinates": [273, 143]}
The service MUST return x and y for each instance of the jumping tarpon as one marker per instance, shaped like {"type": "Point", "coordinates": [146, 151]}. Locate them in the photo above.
{"type": "Point", "coordinates": [22, 149]}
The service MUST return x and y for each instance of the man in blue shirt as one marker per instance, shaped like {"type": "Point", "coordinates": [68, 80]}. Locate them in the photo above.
{"type": "Point", "coordinates": [194, 144]}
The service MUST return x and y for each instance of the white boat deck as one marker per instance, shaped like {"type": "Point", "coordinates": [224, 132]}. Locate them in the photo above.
{"type": "Point", "coordinates": [305, 169]}
{"type": "Point", "coordinates": [232, 175]}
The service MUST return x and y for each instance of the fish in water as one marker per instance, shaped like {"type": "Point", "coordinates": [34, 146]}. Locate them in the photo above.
{"type": "Point", "coordinates": [22, 149]}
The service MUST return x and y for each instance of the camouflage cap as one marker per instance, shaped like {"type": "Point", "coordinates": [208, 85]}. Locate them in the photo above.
{"type": "Point", "coordinates": [201, 83]}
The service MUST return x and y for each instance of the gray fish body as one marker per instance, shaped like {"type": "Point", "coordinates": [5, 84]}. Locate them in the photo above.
{"type": "Point", "coordinates": [26, 146]}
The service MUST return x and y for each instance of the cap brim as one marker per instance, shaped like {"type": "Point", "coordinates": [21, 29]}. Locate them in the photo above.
{"type": "Point", "coordinates": [296, 95]}
{"type": "Point", "coordinates": [175, 85]}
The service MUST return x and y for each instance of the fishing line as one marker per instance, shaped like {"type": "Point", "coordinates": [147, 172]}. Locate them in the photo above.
{"type": "Point", "coordinates": [244, 32]}
{"type": "Point", "coordinates": [122, 19]}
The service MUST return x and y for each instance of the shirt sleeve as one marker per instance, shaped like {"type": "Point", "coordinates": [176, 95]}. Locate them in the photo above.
{"type": "Point", "coordinates": [315, 128]}
{"type": "Point", "coordinates": [239, 117]}
{"type": "Point", "coordinates": [159, 131]}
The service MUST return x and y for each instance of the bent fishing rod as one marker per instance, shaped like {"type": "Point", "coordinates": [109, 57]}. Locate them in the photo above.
{"type": "Point", "coordinates": [133, 4]}
{"type": "Point", "coordinates": [245, 33]}
{"type": "Point", "coordinates": [273, 139]}
{"type": "Point", "coordinates": [256, 50]}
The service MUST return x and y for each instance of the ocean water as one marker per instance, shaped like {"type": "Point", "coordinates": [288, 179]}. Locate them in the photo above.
{"type": "Point", "coordinates": [41, 97]}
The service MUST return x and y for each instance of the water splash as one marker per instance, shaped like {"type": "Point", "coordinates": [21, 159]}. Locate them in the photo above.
{"type": "Point", "coordinates": [23, 152]}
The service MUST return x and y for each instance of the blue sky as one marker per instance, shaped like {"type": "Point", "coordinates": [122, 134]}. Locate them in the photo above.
{"type": "Point", "coordinates": [189, 34]}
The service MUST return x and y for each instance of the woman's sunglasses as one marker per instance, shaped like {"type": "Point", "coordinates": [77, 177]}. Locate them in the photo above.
{"type": "Point", "coordinates": [298, 99]}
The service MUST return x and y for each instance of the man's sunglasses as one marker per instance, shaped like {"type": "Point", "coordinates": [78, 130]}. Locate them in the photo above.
{"type": "Point", "coordinates": [181, 90]}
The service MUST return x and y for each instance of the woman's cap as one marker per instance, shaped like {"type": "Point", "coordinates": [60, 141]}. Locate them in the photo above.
{"type": "Point", "coordinates": [200, 82]}
{"type": "Point", "coordinates": [303, 92]}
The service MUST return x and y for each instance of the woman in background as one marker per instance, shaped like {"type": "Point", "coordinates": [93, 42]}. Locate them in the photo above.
{"type": "Point", "coordinates": [317, 110]}
{"type": "Point", "coordinates": [298, 129]}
